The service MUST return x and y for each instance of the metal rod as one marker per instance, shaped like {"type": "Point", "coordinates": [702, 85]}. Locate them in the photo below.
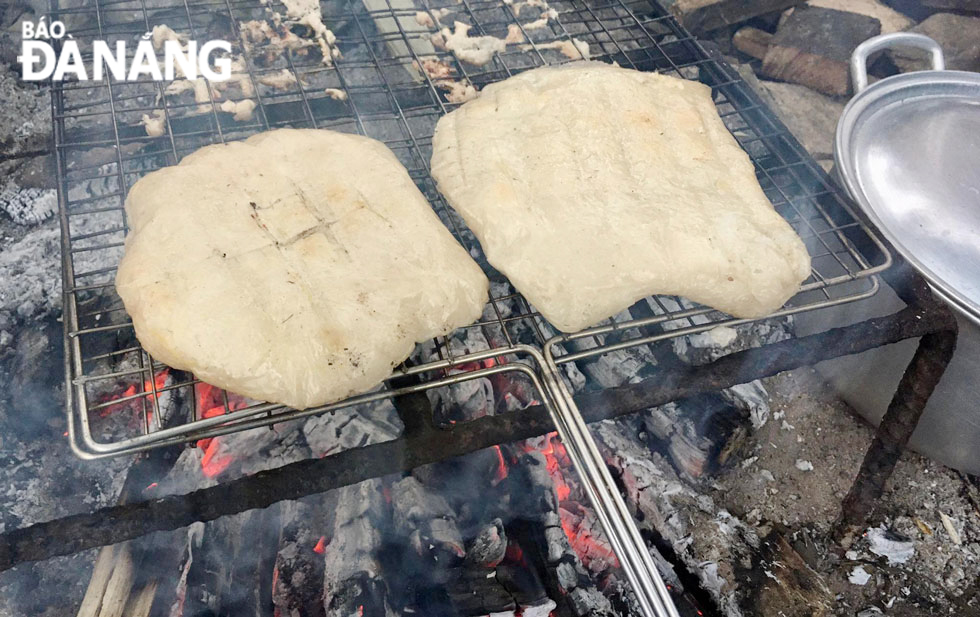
{"type": "Point", "coordinates": [894, 431]}
{"type": "Point", "coordinates": [610, 509]}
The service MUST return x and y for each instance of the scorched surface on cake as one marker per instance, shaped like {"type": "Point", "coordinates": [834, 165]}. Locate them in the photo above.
{"type": "Point", "coordinates": [297, 267]}
{"type": "Point", "coordinates": [592, 186]}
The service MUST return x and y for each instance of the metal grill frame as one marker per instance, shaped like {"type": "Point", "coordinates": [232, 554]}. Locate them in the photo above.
{"type": "Point", "coordinates": [797, 186]}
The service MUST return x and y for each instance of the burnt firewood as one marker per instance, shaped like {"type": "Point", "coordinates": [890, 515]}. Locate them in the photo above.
{"type": "Point", "coordinates": [678, 521]}
{"type": "Point", "coordinates": [784, 584]}
{"type": "Point", "coordinates": [297, 591]}
{"type": "Point", "coordinates": [425, 517]}
{"type": "Point", "coordinates": [523, 584]}
{"type": "Point", "coordinates": [476, 591]}
{"type": "Point", "coordinates": [231, 570]}
{"type": "Point", "coordinates": [813, 47]}
{"type": "Point", "coordinates": [352, 427]}
{"type": "Point", "coordinates": [566, 579]}
{"type": "Point", "coordinates": [352, 581]}
{"type": "Point", "coordinates": [694, 432]}
{"type": "Point", "coordinates": [700, 16]}
{"type": "Point", "coordinates": [488, 547]}
{"type": "Point", "coordinates": [752, 42]}
{"type": "Point", "coordinates": [118, 585]}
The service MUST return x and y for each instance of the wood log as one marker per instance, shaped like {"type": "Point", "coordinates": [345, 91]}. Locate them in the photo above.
{"type": "Point", "coordinates": [785, 583]}
{"type": "Point", "coordinates": [752, 42]}
{"type": "Point", "coordinates": [813, 47]}
{"type": "Point", "coordinates": [891, 20]}
{"type": "Point", "coordinates": [141, 603]}
{"type": "Point", "coordinates": [566, 579]}
{"type": "Point", "coordinates": [297, 591]}
{"type": "Point", "coordinates": [120, 584]}
{"type": "Point", "coordinates": [963, 6]}
{"type": "Point", "coordinates": [959, 37]}
{"type": "Point", "coordinates": [101, 573]}
{"type": "Point", "coordinates": [113, 576]}
{"type": "Point", "coordinates": [231, 573]}
{"type": "Point", "coordinates": [701, 16]}
{"type": "Point", "coordinates": [352, 581]}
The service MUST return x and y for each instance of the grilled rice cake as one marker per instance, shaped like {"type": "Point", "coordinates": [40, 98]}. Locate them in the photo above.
{"type": "Point", "coordinates": [592, 186]}
{"type": "Point", "coordinates": [296, 267]}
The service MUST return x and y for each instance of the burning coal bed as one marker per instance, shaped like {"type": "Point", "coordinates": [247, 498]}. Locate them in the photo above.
{"type": "Point", "coordinates": [502, 531]}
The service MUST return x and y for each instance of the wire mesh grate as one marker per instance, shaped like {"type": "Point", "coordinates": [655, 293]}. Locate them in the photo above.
{"type": "Point", "coordinates": [382, 87]}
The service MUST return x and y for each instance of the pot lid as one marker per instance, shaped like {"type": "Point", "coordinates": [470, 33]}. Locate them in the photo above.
{"type": "Point", "coordinates": [908, 151]}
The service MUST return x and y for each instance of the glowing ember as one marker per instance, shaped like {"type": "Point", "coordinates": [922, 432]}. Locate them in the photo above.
{"type": "Point", "coordinates": [215, 462]}
{"type": "Point", "coordinates": [212, 402]}
{"type": "Point", "coordinates": [275, 581]}
{"type": "Point", "coordinates": [587, 546]}
{"type": "Point", "coordinates": [501, 467]}
{"type": "Point", "coordinates": [158, 382]}
{"type": "Point", "coordinates": [553, 451]}
{"type": "Point", "coordinates": [467, 367]}
{"type": "Point", "coordinates": [204, 444]}
{"type": "Point", "coordinates": [321, 545]}
{"type": "Point", "coordinates": [150, 487]}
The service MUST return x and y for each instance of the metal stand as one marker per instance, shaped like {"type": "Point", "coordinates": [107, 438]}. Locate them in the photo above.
{"type": "Point", "coordinates": [902, 416]}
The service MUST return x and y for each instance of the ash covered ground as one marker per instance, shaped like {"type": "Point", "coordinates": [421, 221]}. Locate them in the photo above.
{"type": "Point", "coordinates": [800, 468]}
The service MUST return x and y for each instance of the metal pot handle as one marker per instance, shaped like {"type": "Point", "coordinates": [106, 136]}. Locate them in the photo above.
{"type": "Point", "coordinates": [859, 59]}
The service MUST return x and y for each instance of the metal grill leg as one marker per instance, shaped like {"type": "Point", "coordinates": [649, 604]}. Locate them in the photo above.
{"type": "Point", "coordinates": [920, 379]}
{"type": "Point", "coordinates": [614, 516]}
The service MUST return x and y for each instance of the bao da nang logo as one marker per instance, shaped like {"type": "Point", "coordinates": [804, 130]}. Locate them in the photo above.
{"type": "Point", "coordinates": [39, 60]}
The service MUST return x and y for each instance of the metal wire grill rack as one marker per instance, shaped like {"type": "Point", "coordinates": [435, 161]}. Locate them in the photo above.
{"type": "Point", "coordinates": [376, 88]}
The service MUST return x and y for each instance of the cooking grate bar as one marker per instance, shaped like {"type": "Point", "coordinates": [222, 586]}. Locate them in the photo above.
{"type": "Point", "coordinates": [102, 149]}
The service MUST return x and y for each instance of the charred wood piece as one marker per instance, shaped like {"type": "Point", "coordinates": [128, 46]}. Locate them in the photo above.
{"type": "Point", "coordinates": [426, 519]}
{"type": "Point", "coordinates": [567, 580]}
{"type": "Point", "coordinates": [231, 571]}
{"type": "Point", "coordinates": [700, 16]}
{"type": "Point", "coordinates": [813, 47]}
{"type": "Point", "coordinates": [785, 584]}
{"type": "Point", "coordinates": [297, 591]}
{"type": "Point", "coordinates": [352, 578]}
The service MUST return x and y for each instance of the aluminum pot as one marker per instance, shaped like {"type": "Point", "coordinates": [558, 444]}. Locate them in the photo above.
{"type": "Point", "coordinates": [908, 151]}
